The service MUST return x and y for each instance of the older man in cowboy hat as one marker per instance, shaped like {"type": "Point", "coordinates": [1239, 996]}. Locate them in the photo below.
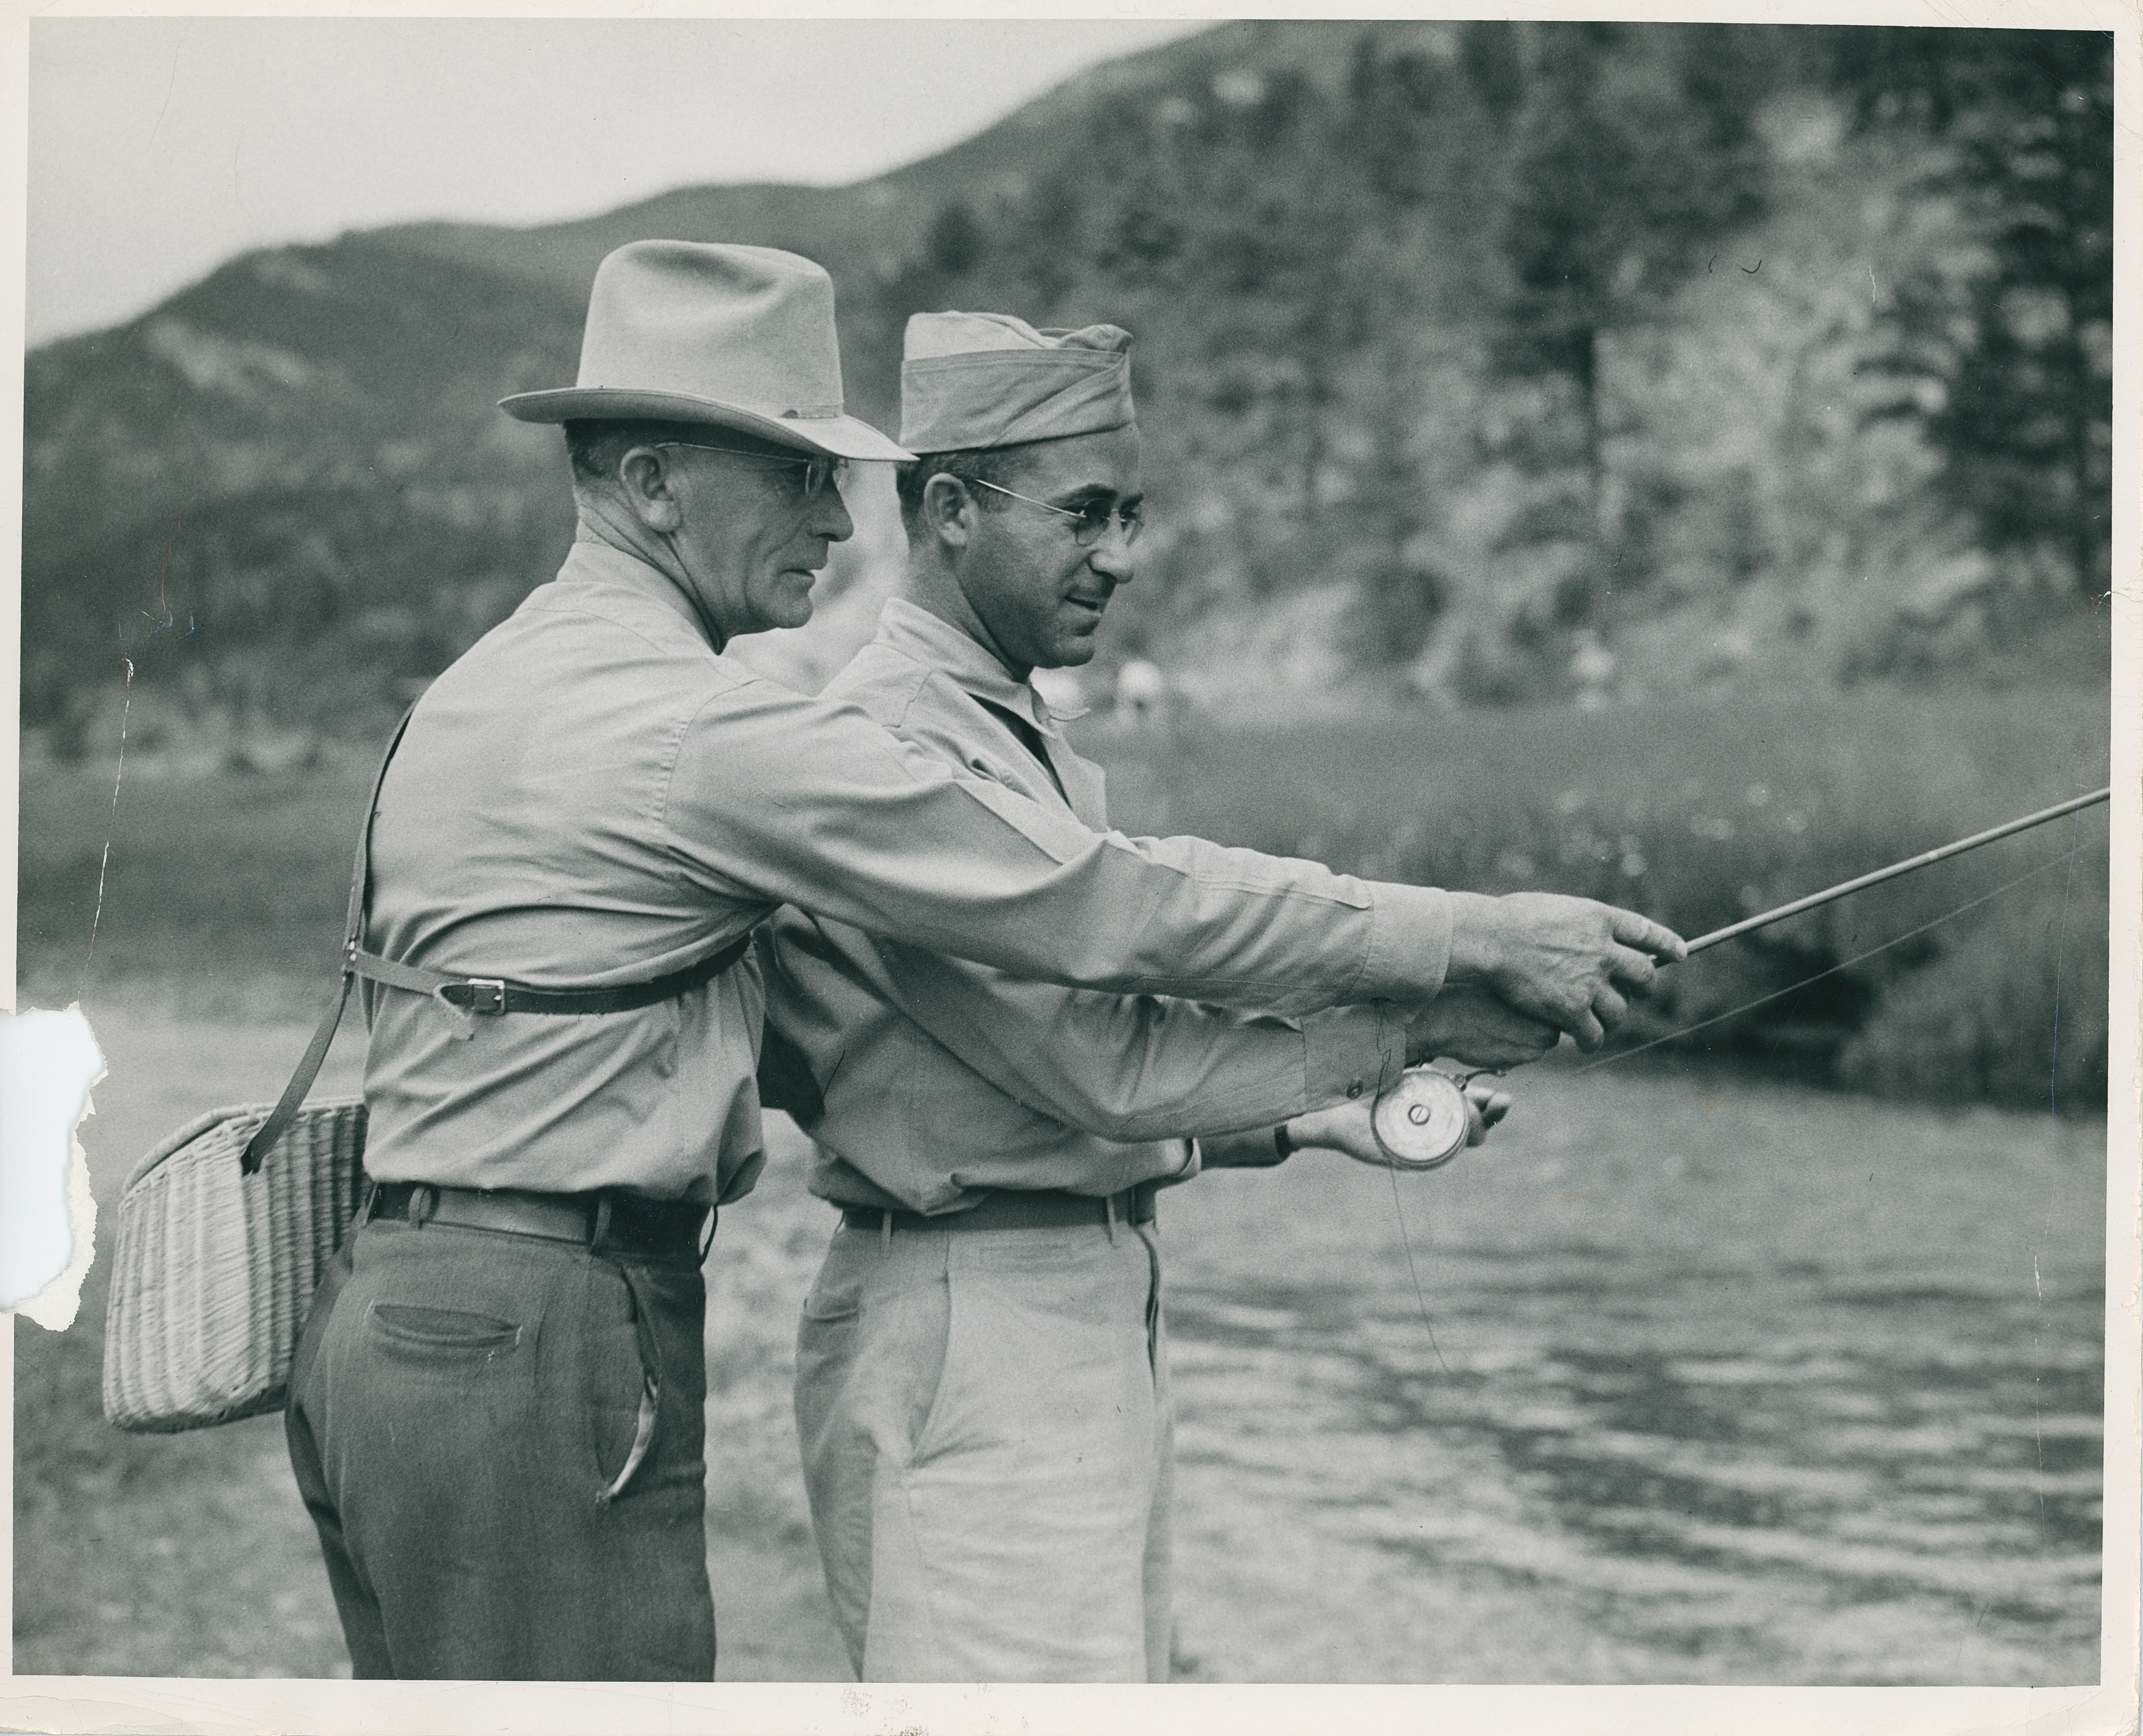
{"type": "Point", "coordinates": [496, 1406]}
{"type": "Point", "coordinates": [981, 1389]}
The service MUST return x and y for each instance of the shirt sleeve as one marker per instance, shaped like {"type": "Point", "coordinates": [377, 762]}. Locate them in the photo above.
{"type": "Point", "coordinates": [1134, 1068]}
{"type": "Point", "coordinates": [810, 803]}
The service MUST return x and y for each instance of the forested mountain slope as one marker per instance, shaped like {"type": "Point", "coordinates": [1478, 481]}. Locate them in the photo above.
{"type": "Point", "coordinates": [1493, 362]}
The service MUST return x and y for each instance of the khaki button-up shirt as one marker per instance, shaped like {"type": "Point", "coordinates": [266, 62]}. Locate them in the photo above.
{"type": "Point", "coordinates": [593, 795]}
{"type": "Point", "coordinates": [942, 1078]}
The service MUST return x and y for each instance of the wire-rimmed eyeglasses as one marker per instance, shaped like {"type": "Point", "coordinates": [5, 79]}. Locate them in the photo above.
{"type": "Point", "coordinates": [1092, 521]}
{"type": "Point", "coordinates": [820, 471]}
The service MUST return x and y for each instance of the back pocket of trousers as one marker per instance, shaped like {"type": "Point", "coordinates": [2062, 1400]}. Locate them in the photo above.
{"type": "Point", "coordinates": [442, 1331]}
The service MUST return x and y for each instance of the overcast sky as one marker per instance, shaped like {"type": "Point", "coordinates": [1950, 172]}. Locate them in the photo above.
{"type": "Point", "coordinates": [159, 147]}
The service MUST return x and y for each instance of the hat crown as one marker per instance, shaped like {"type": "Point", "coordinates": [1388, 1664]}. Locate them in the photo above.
{"type": "Point", "coordinates": [748, 326]}
{"type": "Point", "coordinates": [702, 331]}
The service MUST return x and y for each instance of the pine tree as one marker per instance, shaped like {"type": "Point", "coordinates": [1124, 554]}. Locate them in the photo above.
{"type": "Point", "coordinates": [1630, 167]}
{"type": "Point", "coordinates": [2020, 349]}
{"type": "Point", "coordinates": [2028, 423]}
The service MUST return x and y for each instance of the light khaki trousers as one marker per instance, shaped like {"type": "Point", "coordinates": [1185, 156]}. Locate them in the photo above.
{"type": "Point", "coordinates": [987, 1438]}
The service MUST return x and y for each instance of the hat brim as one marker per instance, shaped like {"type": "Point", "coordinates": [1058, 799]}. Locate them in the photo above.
{"type": "Point", "coordinates": [845, 437]}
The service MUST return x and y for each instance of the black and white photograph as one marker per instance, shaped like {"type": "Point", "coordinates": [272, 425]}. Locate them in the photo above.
{"type": "Point", "coordinates": [1034, 851]}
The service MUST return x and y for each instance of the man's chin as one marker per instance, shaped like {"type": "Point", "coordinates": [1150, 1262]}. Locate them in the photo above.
{"type": "Point", "coordinates": [779, 619]}
{"type": "Point", "coordinates": [1075, 642]}
{"type": "Point", "coordinates": [794, 605]}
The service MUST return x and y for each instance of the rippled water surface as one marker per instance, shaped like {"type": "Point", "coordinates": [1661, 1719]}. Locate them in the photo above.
{"type": "Point", "coordinates": [1727, 1383]}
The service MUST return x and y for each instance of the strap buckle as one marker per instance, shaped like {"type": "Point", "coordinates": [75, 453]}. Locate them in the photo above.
{"type": "Point", "coordinates": [468, 997]}
{"type": "Point", "coordinates": [474, 995]}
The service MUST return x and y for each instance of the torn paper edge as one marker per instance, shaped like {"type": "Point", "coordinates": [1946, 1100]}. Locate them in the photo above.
{"type": "Point", "coordinates": [54, 1304]}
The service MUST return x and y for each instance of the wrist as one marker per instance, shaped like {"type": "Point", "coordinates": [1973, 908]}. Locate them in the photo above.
{"type": "Point", "coordinates": [1476, 933]}
{"type": "Point", "coordinates": [1257, 1150]}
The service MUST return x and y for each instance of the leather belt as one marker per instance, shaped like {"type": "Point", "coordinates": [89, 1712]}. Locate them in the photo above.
{"type": "Point", "coordinates": [607, 1220]}
{"type": "Point", "coordinates": [1042, 1208]}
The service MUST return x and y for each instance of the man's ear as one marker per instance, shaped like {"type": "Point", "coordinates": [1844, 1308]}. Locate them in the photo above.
{"type": "Point", "coordinates": [645, 478]}
{"type": "Point", "coordinates": [949, 511]}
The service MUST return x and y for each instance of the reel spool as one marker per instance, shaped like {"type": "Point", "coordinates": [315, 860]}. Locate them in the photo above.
{"type": "Point", "coordinates": [1423, 1121]}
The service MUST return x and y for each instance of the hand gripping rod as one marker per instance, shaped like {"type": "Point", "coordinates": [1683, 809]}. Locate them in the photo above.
{"type": "Point", "coordinates": [1751, 924]}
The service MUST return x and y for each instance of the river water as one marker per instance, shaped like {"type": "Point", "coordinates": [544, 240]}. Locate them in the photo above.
{"type": "Point", "coordinates": [1729, 1382]}
{"type": "Point", "coordinates": [1719, 1381]}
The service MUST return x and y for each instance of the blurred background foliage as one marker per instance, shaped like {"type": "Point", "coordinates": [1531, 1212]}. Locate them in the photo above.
{"type": "Point", "coordinates": [1616, 419]}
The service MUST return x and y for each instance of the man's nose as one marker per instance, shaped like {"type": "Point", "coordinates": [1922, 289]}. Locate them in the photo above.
{"type": "Point", "coordinates": [1111, 558]}
{"type": "Point", "coordinates": [830, 517]}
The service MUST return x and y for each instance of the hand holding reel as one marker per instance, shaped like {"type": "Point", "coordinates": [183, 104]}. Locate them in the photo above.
{"type": "Point", "coordinates": [1425, 1119]}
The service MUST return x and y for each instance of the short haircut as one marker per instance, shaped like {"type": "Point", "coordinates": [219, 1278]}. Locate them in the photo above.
{"type": "Point", "coordinates": [596, 448]}
{"type": "Point", "coordinates": [999, 466]}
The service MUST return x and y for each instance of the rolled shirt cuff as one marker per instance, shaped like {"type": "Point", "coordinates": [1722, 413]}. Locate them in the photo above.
{"type": "Point", "coordinates": [1409, 945]}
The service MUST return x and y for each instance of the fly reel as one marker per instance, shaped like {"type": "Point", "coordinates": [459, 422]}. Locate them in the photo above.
{"type": "Point", "coordinates": [1425, 1121]}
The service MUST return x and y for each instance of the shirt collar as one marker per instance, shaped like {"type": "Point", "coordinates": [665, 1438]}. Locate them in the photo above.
{"type": "Point", "coordinates": [610, 569]}
{"type": "Point", "coordinates": [912, 630]}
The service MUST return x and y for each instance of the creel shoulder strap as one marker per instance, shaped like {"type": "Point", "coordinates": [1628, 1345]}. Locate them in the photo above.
{"type": "Point", "coordinates": [316, 1052]}
{"type": "Point", "coordinates": [469, 995]}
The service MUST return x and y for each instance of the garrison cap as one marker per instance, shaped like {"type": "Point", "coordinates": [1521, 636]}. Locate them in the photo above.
{"type": "Point", "coordinates": [975, 380]}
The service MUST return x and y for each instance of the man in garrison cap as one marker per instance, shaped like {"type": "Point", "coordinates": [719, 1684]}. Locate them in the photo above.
{"type": "Point", "coordinates": [981, 1386]}
{"type": "Point", "coordinates": [495, 1407]}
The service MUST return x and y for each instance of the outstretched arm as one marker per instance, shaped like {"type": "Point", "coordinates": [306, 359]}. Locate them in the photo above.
{"type": "Point", "coordinates": [783, 798]}
{"type": "Point", "coordinates": [775, 798]}
{"type": "Point", "coordinates": [1138, 1067]}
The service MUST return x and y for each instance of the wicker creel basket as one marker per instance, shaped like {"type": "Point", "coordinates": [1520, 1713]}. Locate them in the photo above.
{"type": "Point", "coordinates": [215, 1269]}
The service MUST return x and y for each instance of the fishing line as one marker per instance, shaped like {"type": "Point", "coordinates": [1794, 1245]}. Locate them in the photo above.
{"type": "Point", "coordinates": [2054, 1113]}
{"type": "Point", "coordinates": [104, 861]}
{"type": "Point", "coordinates": [1843, 964]}
{"type": "Point", "coordinates": [1398, 1206]}
{"type": "Point", "coordinates": [2061, 950]}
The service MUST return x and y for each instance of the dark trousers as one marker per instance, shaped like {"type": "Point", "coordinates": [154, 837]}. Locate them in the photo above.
{"type": "Point", "coordinates": [464, 1406]}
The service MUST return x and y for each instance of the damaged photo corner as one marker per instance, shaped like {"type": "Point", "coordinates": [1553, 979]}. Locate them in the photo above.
{"type": "Point", "coordinates": [1606, 1502]}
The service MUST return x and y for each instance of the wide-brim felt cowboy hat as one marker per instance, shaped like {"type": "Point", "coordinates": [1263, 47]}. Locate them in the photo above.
{"type": "Point", "coordinates": [733, 337]}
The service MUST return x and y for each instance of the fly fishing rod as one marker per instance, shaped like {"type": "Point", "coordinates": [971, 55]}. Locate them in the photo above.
{"type": "Point", "coordinates": [1750, 924]}
{"type": "Point", "coordinates": [1424, 1122]}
